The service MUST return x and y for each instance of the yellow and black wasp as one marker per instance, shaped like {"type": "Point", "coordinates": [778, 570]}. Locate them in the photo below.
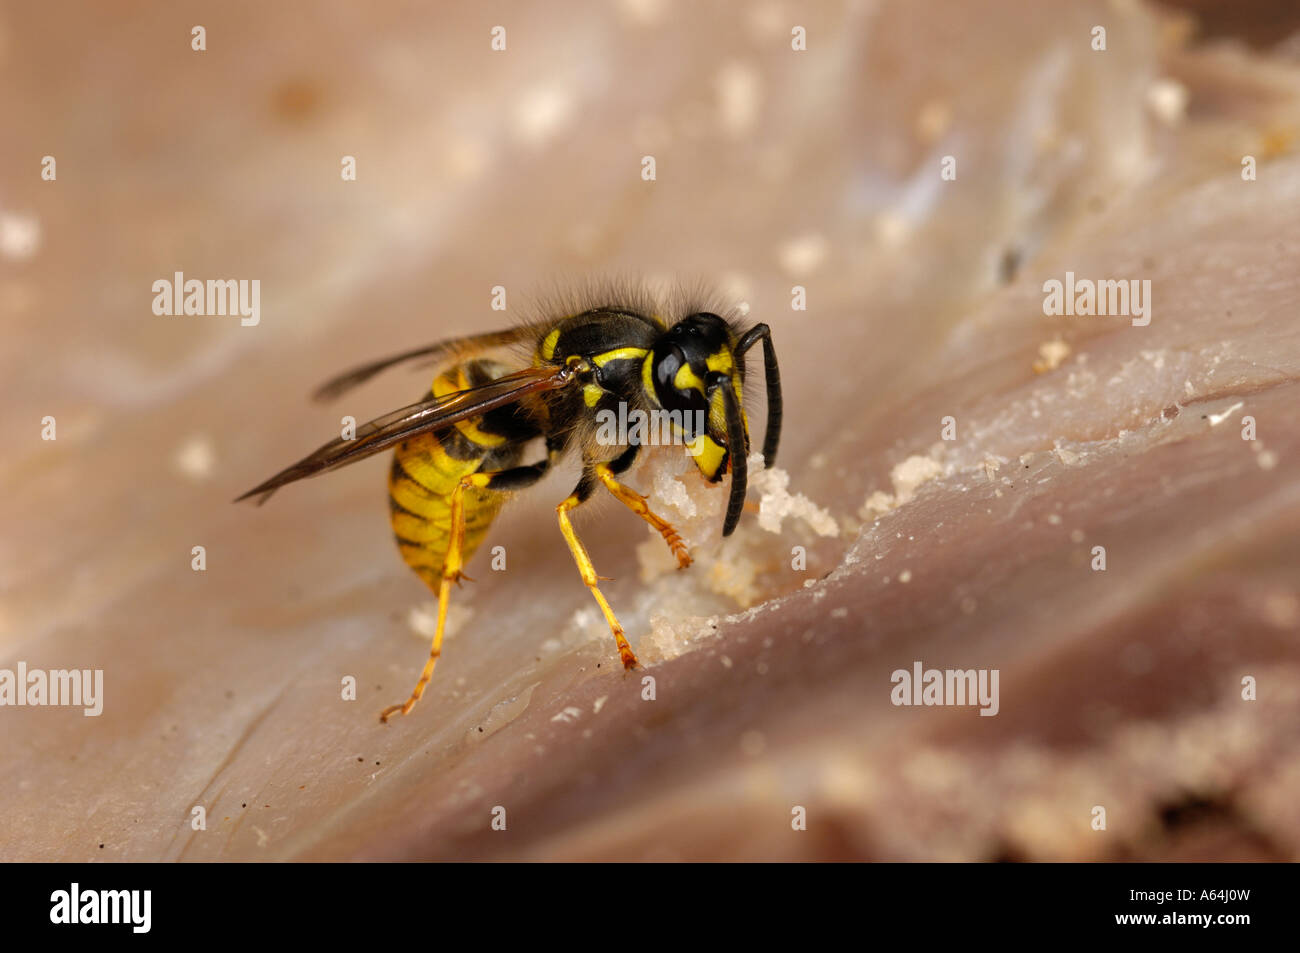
{"type": "Point", "coordinates": [460, 450]}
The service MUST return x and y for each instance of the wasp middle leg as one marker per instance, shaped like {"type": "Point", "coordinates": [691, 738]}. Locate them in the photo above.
{"type": "Point", "coordinates": [581, 493]}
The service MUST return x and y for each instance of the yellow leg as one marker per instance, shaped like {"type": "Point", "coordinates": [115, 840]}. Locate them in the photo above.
{"type": "Point", "coordinates": [451, 566]}
{"type": "Point", "coordinates": [635, 502]}
{"type": "Point", "coordinates": [588, 572]}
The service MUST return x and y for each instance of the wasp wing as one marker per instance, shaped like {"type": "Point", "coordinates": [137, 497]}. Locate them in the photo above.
{"type": "Point", "coordinates": [431, 414]}
{"type": "Point", "coordinates": [459, 347]}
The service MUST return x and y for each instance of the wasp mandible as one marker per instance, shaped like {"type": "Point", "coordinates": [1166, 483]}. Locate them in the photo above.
{"type": "Point", "coordinates": [460, 451]}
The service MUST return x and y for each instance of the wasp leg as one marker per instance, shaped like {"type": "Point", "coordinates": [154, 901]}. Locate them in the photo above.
{"type": "Point", "coordinates": [512, 479]}
{"type": "Point", "coordinates": [635, 502]}
{"type": "Point", "coordinates": [580, 494]}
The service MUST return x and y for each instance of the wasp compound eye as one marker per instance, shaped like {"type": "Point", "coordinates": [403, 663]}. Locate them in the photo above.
{"type": "Point", "coordinates": [677, 385]}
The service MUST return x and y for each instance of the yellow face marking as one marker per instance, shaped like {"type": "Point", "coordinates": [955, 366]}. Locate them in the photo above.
{"type": "Point", "coordinates": [619, 354]}
{"type": "Point", "coordinates": [687, 379]}
{"type": "Point", "coordinates": [592, 394]}
{"type": "Point", "coordinates": [548, 345]}
{"type": "Point", "coordinates": [707, 454]}
{"type": "Point", "coordinates": [719, 361]}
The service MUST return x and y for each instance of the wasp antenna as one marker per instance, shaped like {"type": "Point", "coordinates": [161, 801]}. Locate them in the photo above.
{"type": "Point", "coordinates": [773, 378]}
{"type": "Point", "coordinates": [736, 452]}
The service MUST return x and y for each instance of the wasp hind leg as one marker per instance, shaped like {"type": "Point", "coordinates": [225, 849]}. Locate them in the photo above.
{"type": "Point", "coordinates": [635, 502]}
{"type": "Point", "coordinates": [512, 479]}
{"type": "Point", "coordinates": [581, 493]}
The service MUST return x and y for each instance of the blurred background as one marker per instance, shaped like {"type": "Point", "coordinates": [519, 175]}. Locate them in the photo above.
{"type": "Point", "coordinates": [771, 735]}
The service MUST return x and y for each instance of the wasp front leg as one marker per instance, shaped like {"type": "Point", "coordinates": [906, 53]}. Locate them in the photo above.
{"type": "Point", "coordinates": [636, 502]}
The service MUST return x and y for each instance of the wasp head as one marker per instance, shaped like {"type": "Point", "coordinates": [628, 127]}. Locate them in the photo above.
{"type": "Point", "coordinates": [695, 369]}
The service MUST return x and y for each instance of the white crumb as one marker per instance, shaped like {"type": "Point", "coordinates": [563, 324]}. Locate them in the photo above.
{"type": "Point", "coordinates": [1050, 356]}
{"type": "Point", "coordinates": [776, 501]}
{"type": "Point", "coordinates": [195, 457]}
{"type": "Point", "coordinates": [1216, 419]}
{"type": "Point", "coordinates": [569, 715]}
{"type": "Point", "coordinates": [423, 620]}
{"type": "Point", "coordinates": [907, 477]}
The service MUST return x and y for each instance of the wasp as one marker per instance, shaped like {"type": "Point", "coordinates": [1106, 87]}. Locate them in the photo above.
{"type": "Point", "coordinates": [460, 451]}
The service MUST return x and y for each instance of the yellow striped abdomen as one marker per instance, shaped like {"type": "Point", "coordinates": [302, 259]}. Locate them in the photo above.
{"type": "Point", "coordinates": [425, 472]}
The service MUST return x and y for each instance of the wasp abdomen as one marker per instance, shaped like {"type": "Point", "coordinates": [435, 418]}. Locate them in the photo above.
{"type": "Point", "coordinates": [426, 471]}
